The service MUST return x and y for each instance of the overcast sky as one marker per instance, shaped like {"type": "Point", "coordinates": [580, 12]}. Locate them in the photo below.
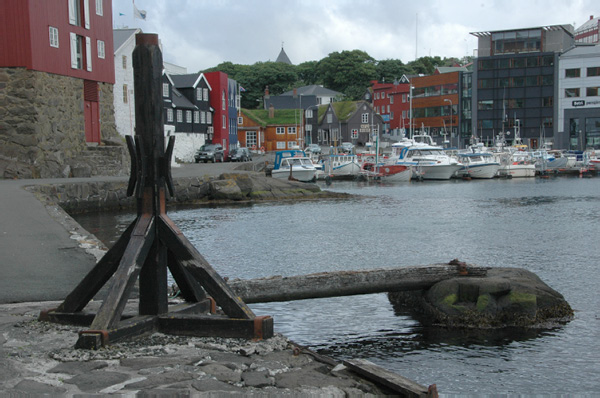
{"type": "Point", "coordinates": [200, 34]}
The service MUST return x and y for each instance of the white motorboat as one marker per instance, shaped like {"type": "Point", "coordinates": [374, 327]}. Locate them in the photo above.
{"type": "Point", "coordinates": [478, 165]}
{"type": "Point", "coordinates": [341, 166]}
{"type": "Point", "coordinates": [427, 160]}
{"type": "Point", "coordinates": [515, 164]}
{"type": "Point", "coordinates": [293, 164]}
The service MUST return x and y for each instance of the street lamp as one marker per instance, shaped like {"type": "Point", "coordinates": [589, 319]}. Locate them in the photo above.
{"type": "Point", "coordinates": [450, 101]}
{"type": "Point", "coordinates": [410, 127]}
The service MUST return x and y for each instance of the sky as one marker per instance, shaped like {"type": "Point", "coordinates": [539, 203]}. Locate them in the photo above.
{"type": "Point", "coordinates": [200, 34]}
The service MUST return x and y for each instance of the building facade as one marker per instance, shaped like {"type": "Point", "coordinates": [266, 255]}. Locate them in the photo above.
{"type": "Point", "coordinates": [61, 53]}
{"type": "Point", "coordinates": [579, 98]}
{"type": "Point", "coordinates": [516, 82]}
{"type": "Point", "coordinates": [589, 31]}
{"type": "Point", "coordinates": [348, 121]}
{"type": "Point", "coordinates": [124, 94]}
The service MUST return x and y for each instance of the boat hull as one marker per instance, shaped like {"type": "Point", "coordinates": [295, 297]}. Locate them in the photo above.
{"type": "Point", "coordinates": [517, 171]}
{"type": "Point", "coordinates": [439, 172]}
{"type": "Point", "coordinates": [483, 171]}
{"type": "Point", "coordinates": [300, 174]}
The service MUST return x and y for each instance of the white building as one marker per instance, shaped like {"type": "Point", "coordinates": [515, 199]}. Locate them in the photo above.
{"type": "Point", "coordinates": [579, 98]}
{"type": "Point", "coordinates": [124, 99]}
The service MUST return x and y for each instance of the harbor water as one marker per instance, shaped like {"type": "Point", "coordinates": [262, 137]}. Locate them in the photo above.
{"type": "Point", "coordinates": [550, 227]}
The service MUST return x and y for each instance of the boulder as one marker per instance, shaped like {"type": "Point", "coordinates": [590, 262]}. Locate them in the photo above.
{"type": "Point", "coordinates": [506, 297]}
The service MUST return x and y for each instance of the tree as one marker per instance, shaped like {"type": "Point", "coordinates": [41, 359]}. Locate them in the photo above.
{"type": "Point", "coordinates": [389, 70]}
{"type": "Point", "coordinates": [349, 72]}
{"type": "Point", "coordinates": [279, 77]}
{"type": "Point", "coordinates": [308, 73]}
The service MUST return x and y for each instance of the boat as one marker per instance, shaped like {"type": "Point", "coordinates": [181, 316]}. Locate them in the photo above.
{"type": "Point", "coordinates": [293, 164]}
{"type": "Point", "coordinates": [549, 160]}
{"type": "Point", "coordinates": [389, 172]}
{"type": "Point", "coordinates": [478, 165]}
{"type": "Point", "coordinates": [515, 164]}
{"type": "Point", "coordinates": [428, 161]}
{"type": "Point", "coordinates": [341, 166]}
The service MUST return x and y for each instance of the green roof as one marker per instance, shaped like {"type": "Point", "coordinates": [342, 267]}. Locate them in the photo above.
{"type": "Point", "coordinates": [343, 110]}
{"type": "Point", "coordinates": [281, 116]}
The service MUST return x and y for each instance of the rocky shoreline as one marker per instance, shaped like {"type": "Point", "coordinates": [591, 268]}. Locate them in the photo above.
{"type": "Point", "coordinates": [40, 358]}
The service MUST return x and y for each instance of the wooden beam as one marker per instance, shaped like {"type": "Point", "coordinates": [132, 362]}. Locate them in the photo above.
{"type": "Point", "coordinates": [394, 381]}
{"type": "Point", "coordinates": [129, 268]}
{"type": "Point", "coordinates": [191, 290]}
{"type": "Point", "coordinates": [347, 283]}
{"type": "Point", "coordinates": [98, 276]}
{"type": "Point", "coordinates": [196, 266]}
{"type": "Point", "coordinates": [215, 325]}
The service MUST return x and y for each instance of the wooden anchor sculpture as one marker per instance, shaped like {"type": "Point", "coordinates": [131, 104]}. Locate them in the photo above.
{"type": "Point", "coordinates": [151, 244]}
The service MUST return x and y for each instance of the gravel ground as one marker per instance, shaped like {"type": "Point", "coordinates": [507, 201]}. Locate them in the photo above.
{"type": "Point", "coordinates": [40, 358]}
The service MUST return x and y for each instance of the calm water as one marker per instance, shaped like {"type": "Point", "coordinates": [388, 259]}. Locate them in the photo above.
{"type": "Point", "coordinates": [550, 227]}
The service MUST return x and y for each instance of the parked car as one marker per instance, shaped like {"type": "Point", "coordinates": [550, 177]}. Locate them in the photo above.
{"type": "Point", "coordinates": [347, 147]}
{"type": "Point", "coordinates": [209, 153]}
{"type": "Point", "coordinates": [241, 154]}
{"type": "Point", "coordinates": [313, 148]}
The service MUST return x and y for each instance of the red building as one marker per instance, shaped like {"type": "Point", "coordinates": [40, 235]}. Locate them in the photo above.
{"type": "Point", "coordinates": [69, 38]}
{"type": "Point", "coordinates": [62, 51]}
{"type": "Point", "coordinates": [391, 101]}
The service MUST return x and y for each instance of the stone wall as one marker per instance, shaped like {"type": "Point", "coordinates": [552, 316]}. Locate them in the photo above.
{"type": "Point", "coordinates": [79, 197]}
{"type": "Point", "coordinates": [42, 128]}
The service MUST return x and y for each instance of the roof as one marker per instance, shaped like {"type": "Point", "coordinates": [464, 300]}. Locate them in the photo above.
{"type": "Point", "coordinates": [567, 28]}
{"type": "Point", "coordinates": [314, 89]}
{"type": "Point", "coordinates": [283, 58]}
{"type": "Point", "coordinates": [120, 36]}
{"type": "Point", "coordinates": [343, 109]}
{"type": "Point", "coordinates": [281, 116]}
{"type": "Point", "coordinates": [582, 50]}
{"type": "Point", "coordinates": [589, 24]}
{"type": "Point", "coordinates": [449, 69]}
{"type": "Point", "coordinates": [189, 80]}
{"type": "Point", "coordinates": [179, 101]}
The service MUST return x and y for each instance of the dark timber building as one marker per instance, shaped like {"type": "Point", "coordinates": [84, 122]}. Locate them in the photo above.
{"type": "Point", "coordinates": [516, 73]}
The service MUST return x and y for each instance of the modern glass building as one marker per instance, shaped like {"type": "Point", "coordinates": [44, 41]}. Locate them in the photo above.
{"type": "Point", "coordinates": [515, 83]}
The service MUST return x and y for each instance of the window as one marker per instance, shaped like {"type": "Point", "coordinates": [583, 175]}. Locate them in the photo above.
{"type": "Point", "coordinates": [101, 53]}
{"type": "Point", "coordinates": [169, 115]}
{"type": "Point", "coordinates": [196, 117]}
{"type": "Point", "coordinates": [571, 92]}
{"type": "Point", "coordinates": [591, 91]}
{"type": "Point", "coordinates": [188, 116]}
{"type": "Point", "coordinates": [251, 139]}
{"type": "Point", "coordinates": [292, 130]}
{"type": "Point", "coordinates": [548, 102]}
{"type": "Point", "coordinates": [203, 117]}
{"type": "Point", "coordinates": [125, 93]}
{"type": "Point", "coordinates": [205, 94]}
{"type": "Point", "coordinates": [329, 118]}
{"type": "Point", "coordinates": [354, 134]}
{"type": "Point", "coordinates": [485, 83]}
{"type": "Point", "coordinates": [532, 81]}
{"type": "Point", "coordinates": [486, 64]}
{"type": "Point", "coordinates": [240, 121]}
{"type": "Point", "coordinates": [280, 130]}
{"type": "Point", "coordinates": [208, 118]}
{"type": "Point", "coordinates": [576, 72]}
{"type": "Point", "coordinates": [364, 118]}
{"type": "Point", "coordinates": [223, 101]}
{"type": "Point", "coordinates": [392, 115]}
{"type": "Point", "coordinates": [280, 144]}
{"type": "Point", "coordinates": [53, 33]}
{"type": "Point", "coordinates": [99, 8]}
{"type": "Point", "coordinates": [75, 12]}
{"type": "Point", "coordinates": [595, 71]}
{"type": "Point", "coordinates": [81, 54]}
{"type": "Point", "coordinates": [485, 105]}
{"type": "Point", "coordinates": [124, 61]}
{"type": "Point", "coordinates": [533, 62]}
{"type": "Point", "coordinates": [224, 125]}
{"type": "Point", "coordinates": [179, 116]}
{"type": "Point", "coordinates": [291, 144]}
{"type": "Point", "coordinates": [404, 98]}
{"type": "Point", "coordinates": [165, 89]}
{"type": "Point", "coordinates": [388, 109]}
{"type": "Point", "coordinates": [199, 94]}
{"type": "Point", "coordinates": [309, 113]}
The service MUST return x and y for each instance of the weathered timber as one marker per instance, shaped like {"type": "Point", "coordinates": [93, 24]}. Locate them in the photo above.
{"type": "Point", "coordinates": [347, 283]}
{"type": "Point", "coordinates": [153, 244]}
{"type": "Point", "coordinates": [399, 384]}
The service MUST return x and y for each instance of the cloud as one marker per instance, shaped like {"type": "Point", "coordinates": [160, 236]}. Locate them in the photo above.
{"type": "Point", "coordinates": [199, 34]}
